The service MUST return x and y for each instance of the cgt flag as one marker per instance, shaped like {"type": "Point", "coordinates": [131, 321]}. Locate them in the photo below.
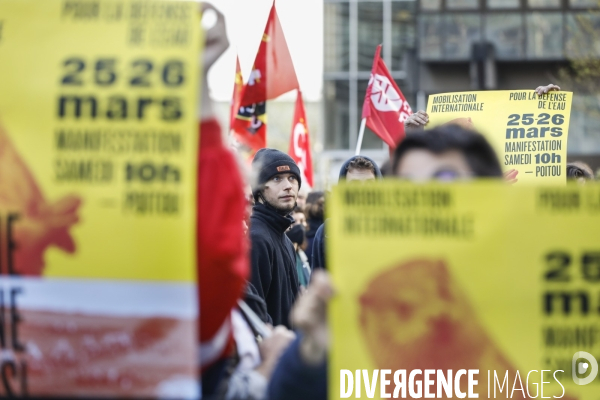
{"type": "Point", "coordinates": [385, 107]}
{"type": "Point", "coordinates": [300, 142]}
{"type": "Point", "coordinates": [248, 123]}
{"type": "Point", "coordinates": [250, 126]}
{"type": "Point", "coordinates": [273, 72]}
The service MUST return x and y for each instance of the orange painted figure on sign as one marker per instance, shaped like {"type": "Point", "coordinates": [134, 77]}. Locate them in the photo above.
{"type": "Point", "coordinates": [35, 224]}
{"type": "Point", "coordinates": [415, 316]}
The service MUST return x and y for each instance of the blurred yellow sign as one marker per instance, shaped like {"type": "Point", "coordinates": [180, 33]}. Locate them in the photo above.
{"type": "Point", "coordinates": [98, 160]}
{"type": "Point", "coordinates": [98, 110]}
{"type": "Point", "coordinates": [528, 132]}
{"type": "Point", "coordinates": [483, 281]}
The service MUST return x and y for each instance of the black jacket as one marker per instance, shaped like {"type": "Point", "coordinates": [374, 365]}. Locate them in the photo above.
{"type": "Point", "coordinates": [318, 251]}
{"type": "Point", "coordinates": [273, 262]}
{"type": "Point", "coordinates": [257, 304]}
{"type": "Point", "coordinates": [313, 225]}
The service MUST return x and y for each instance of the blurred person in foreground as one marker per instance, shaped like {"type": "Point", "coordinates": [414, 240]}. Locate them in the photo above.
{"type": "Point", "coordinates": [355, 169]}
{"type": "Point", "coordinates": [446, 153]}
{"type": "Point", "coordinates": [222, 265]}
{"type": "Point", "coordinates": [273, 260]}
{"type": "Point", "coordinates": [580, 172]}
{"type": "Point", "coordinates": [222, 258]}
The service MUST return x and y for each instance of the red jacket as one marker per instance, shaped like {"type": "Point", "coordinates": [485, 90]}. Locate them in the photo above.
{"type": "Point", "coordinates": [222, 245]}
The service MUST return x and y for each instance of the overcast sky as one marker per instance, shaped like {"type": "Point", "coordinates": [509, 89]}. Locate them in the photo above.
{"type": "Point", "coordinates": [302, 22]}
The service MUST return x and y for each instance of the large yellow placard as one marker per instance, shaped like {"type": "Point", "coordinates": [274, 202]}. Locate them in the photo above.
{"type": "Point", "coordinates": [98, 110]}
{"type": "Point", "coordinates": [479, 276]}
{"type": "Point", "coordinates": [98, 161]}
{"type": "Point", "coordinates": [528, 132]}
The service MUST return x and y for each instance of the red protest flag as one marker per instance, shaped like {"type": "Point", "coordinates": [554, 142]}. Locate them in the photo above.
{"type": "Point", "coordinates": [273, 73]}
{"type": "Point", "coordinates": [238, 88]}
{"type": "Point", "coordinates": [250, 125]}
{"type": "Point", "coordinates": [385, 107]}
{"type": "Point", "coordinates": [300, 142]}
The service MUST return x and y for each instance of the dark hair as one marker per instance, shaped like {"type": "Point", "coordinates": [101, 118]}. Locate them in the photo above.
{"type": "Point", "coordinates": [386, 168]}
{"type": "Point", "coordinates": [361, 163]}
{"type": "Point", "coordinates": [298, 209]}
{"type": "Point", "coordinates": [475, 148]}
{"type": "Point", "coordinates": [313, 208]}
{"type": "Point", "coordinates": [579, 169]}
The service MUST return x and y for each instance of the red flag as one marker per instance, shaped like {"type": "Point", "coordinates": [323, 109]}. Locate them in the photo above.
{"type": "Point", "coordinates": [273, 72]}
{"type": "Point", "coordinates": [385, 107]}
{"type": "Point", "coordinates": [300, 142]}
{"type": "Point", "coordinates": [238, 87]}
{"type": "Point", "coordinates": [247, 123]}
{"type": "Point", "coordinates": [250, 125]}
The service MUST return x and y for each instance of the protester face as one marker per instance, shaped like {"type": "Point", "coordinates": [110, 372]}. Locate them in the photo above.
{"type": "Point", "coordinates": [281, 192]}
{"type": "Point", "coordinates": [359, 175]}
{"type": "Point", "coordinates": [423, 165]}
{"type": "Point", "coordinates": [301, 200]}
{"type": "Point", "coordinates": [249, 201]}
{"type": "Point", "coordinates": [300, 219]}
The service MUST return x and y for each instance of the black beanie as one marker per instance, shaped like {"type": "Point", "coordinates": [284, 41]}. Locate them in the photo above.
{"type": "Point", "coordinates": [269, 162]}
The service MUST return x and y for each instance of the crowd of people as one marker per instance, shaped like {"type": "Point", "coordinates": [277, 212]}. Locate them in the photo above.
{"type": "Point", "coordinates": [276, 267]}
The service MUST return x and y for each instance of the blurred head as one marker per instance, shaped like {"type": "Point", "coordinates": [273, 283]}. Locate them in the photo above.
{"type": "Point", "coordinates": [445, 153]}
{"type": "Point", "coordinates": [297, 235]}
{"type": "Point", "coordinates": [249, 200]}
{"type": "Point", "coordinates": [277, 180]}
{"type": "Point", "coordinates": [580, 172]}
{"type": "Point", "coordinates": [386, 168]}
{"type": "Point", "coordinates": [302, 194]}
{"type": "Point", "coordinates": [299, 217]}
{"type": "Point", "coordinates": [360, 168]}
{"type": "Point", "coordinates": [315, 206]}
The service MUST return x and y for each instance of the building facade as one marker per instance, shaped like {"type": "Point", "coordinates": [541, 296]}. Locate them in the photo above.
{"type": "Point", "coordinates": [435, 46]}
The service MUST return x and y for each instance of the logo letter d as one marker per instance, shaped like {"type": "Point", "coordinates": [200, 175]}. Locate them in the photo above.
{"type": "Point", "coordinates": [591, 362]}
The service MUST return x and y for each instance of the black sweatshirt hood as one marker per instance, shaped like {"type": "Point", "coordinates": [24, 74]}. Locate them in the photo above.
{"type": "Point", "coordinates": [344, 169]}
{"type": "Point", "coordinates": [267, 214]}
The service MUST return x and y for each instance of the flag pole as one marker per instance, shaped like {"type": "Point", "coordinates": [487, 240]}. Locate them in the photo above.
{"type": "Point", "coordinates": [361, 134]}
{"type": "Point", "coordinates": [361, 131]}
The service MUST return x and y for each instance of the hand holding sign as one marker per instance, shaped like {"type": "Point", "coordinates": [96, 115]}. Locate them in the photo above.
{"type": "Point", "coordinates": [417, 120]}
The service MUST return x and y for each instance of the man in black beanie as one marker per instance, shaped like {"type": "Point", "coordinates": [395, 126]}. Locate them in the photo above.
{"type": "Point", "coordinates": [273, 261]}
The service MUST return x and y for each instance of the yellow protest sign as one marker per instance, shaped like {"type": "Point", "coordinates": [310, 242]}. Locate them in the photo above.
{"type": "Point", "coordinates": [98, 136]}
{"type": "Point", "coordinates": [528, 132]}
{"type": "Point", "coordinates": [491, 288]}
